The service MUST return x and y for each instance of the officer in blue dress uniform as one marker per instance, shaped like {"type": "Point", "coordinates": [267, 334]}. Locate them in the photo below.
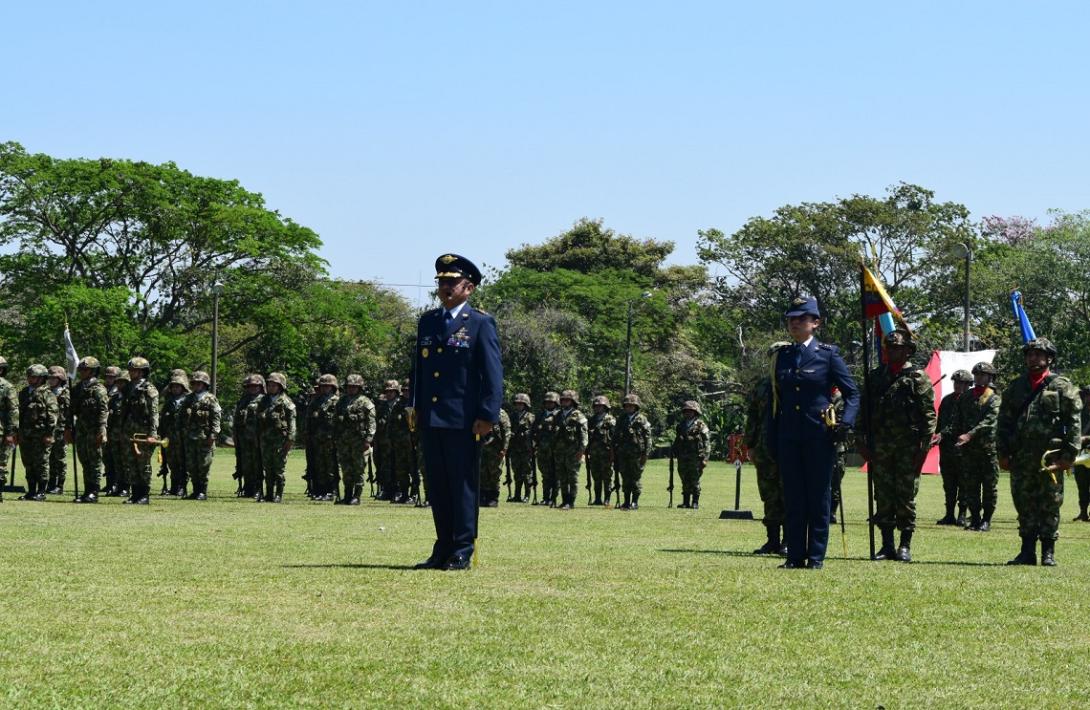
{"type": "Point", "coordinates": [800, 436]}
{"type": "Point", "coordinates": [457, 389]}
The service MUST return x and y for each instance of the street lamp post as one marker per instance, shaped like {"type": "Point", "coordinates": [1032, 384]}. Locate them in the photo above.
{"type": "Point", "coordinates": [962, 250]}
{"type": "Point", "coordinates": [628, 346]}
{"type": "Point", "coordinates": [217, 289]}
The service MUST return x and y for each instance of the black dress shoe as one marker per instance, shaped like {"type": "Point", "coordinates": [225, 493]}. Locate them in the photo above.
{"type": "Point", "coordinates": [814, 564]}
{"type": "Point", "coordinates": [456, 562]}
{"type": "Point", "coordinates": [791, 564]}
{"type": "Point", "coordinates": [432, 562]}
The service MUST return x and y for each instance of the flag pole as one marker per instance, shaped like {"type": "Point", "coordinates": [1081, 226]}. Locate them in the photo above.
{"type": "Point", "coordinates": [866, 399]}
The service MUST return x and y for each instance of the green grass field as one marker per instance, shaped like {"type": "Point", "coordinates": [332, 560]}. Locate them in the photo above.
{"type": "Point", "coordinates": [231, 603]}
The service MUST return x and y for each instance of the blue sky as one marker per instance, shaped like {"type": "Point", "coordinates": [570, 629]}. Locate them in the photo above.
{"type": "Point", "coordinates": [400, 131]}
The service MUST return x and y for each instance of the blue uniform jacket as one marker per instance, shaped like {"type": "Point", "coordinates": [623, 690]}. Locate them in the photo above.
{"type": "Point", "coordinates": [457, 375]}
{"type": "Point", "coordinates": [803, 392]}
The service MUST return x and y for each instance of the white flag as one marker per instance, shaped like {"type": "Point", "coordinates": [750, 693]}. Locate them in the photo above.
{"type": "Point", "coordinates": [70, 354]}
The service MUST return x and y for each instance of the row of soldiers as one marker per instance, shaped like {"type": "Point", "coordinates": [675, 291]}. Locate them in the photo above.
{"type": "Point", "coordinates": [560, 439]}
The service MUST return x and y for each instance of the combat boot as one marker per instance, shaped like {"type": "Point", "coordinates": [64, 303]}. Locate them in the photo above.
{"type": "Point", "coordinates": [597, 493]}
{"type": "Point", "coordinates": [1048, 553]}
{"type": "Point", "coordinates": [1082, 515]}
{"type": "Point", "coordinates": [1028, 555]}
{"type": "Point", "coordinates": [518, 493]}
{"type": "Point", "coordinates": [949, 518]}
{"type": "Point", "coordinates": [279, 492]}
{"type": "Point", "coordinates": [201, 490]}
{"type": "Point", "coordinates": [635, 500]}
{"type": "Point", "coordinates": [886, 552]}
{"type": "Point", "coordinates": [696, 501]}
{"type": "Point", "coordinates": [567, 499]}
{"type": "Point", "coordinates": [772, 544]}
{"type": "Point", "coordinates": [974, 521]}
{"type": "Point", "coordinates": [39, 492]}
{"type": "Point", "coordinates": [904, 551]}
{"type": "Point", "coordinates": [961, 516]}
{"type": "Point", "coordinates": [684, 501]}
{"type": "Point", "coordinates": [627, 505]}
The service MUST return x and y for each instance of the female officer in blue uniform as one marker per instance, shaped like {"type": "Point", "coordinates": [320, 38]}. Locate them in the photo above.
{"type": "Point", "coordinates": [803, 374]}
{"type": "Point", "coordinates": [457, 391]}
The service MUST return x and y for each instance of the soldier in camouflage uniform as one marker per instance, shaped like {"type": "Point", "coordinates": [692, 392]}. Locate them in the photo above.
{"type": "Point", "coordinates": [58, 453]}
{"type": "Point", "coordinates": [950, 455]}
{"type": "Point", "coordinates": [520, 451]}
{"type": "Point", "coordinates": [115, 435]}
{"type": "Point", "coordinates": [769, 485]}
{"type": "Point", "coordinates": [321, 425]}
{"type": "Point", "coordinates": [840, 447]}
{"type": "Point", "coordinates": [201, 424]}
{"type": "Point", "coordinates": [90, 412]}
{"type": "Point", "coordinates": [600, 448]}
{"type": "Point", "coordinates": [109, 469]}
{"type": "Point", "coordinates": [545, 447]}
{"type": "Point", "coordinates": [570, 446]}
{"type": "Point", "coordinates": [631, 447]}
{"type": "Point", "coordinates": [1082, 473]}
{"type": "Point", "coordinates": [402, 452]}
{"type": "Point", "coordinates": [1039, 425]}
{"type": "Point", "coordinates": [692, 446]}
{"type": "Point", "coordinates": [38, 413]}
{"type": "Point", "coordinates": [355, 431]}
{"type": "Point", "coordinates": [417, 493]}
{"type": "Point", "coordinates": [977, 414]}
{"type": "Point", "coordinates": [244, 430]}
{"type": "Point", "coordinates": [171, 410]}
{"type": "Point", "coordinates": [383, 457]}
{"type": "Point", "coordinates": [9, 423]}
{"type": "Point", "coordinates": [494, 447]}
{"type": "Point", "coordinates": [276, 428]}
{"type": "Point", "coordinates": [140, 412]}
{"type": "Point", "coordinates": [902, 413]}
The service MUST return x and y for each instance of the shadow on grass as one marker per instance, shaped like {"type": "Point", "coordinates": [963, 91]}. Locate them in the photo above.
{"type": "Point", "coordinates": [346, 565]}
{"type": "Point", "coordinates": [750, 555]}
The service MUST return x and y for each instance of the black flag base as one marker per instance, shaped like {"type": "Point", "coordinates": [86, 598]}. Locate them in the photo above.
{"type": "Point", "coordinates": [736, 515]}
{"type": "Point", "coordinates": [8, 488]}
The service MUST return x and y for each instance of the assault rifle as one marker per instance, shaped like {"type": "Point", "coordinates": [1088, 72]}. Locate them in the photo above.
{"type": "Point", "coordinates": [507, 481]}
{"type": "Point", "coordinates": [670, 488]}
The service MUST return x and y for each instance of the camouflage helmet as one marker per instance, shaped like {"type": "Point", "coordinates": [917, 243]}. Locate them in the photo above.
{"type": "Point", "coordinates": [1043, 344]}
{"type": "Point", "coordinates": [961, 376]}
{"type": "Point", "coordinates": [572, 395]}
{"type": "Point", "coordinates": [900, 336]}
{"type": "Point", "coordinates": [551, 397]}
{"type": "Point", "coordinates": [178, 377]}
{"type": "Point", "coordinates": [122, 376]}
{"type": "Point", "coordinates": [112, 371]}
{"type": "Point", "coordinates": [632, 399]}
{"type": "Point", "coordinates": [984, 368]}
{"type": "Point", "coordinates": [59, 372]}
{"type": "Point", "coordinates": [88, 363]}
{"type": "Point", "coordinates": [278, 378]}
{"type": "Point", "coordinates": [692, 405]}
{"type": "Point", "coordinates": [353, 381]}
{"type": "Point", "coordinates": [601, 401]}
{"type": "Point", "coordinates": [391, 385]}
{"type": "Point", "coordinates": [774, 347]}
{"type": "Point", "coordinates": [201, 376]}
{"type": "Point", "coordinates": [138, 363]}
{"type": "Point", "coordinates": [37, 370]}
{"type": "Point", "coordinates": [328, 379]}
{"type": "Point", "coordinates": [522, 397]}
{"type": "Point", "coordinates": [254, 379]}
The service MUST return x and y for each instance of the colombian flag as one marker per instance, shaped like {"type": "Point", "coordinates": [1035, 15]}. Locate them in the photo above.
{"type": "Point", "coordinates": [878, 304]}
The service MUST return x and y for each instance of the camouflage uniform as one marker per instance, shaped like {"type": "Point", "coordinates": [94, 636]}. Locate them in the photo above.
{"type": "Point", "coordinates": [1082, 473]}
{"type": "Point", "coordinates": [545, 449]}
{"type": "Point", "coordinates": [902, 421]}
{"type": "Point", "coordinates": [520, 451]}
{"type": "Point", "coordinates": [202, 428]}
{"type": "Point", "coordinates": [140, 412]}
{"type": "Point", "coordinates": [493, 449]}
{"type": "Point", "coordinates": [631, 447]}
{"type": "Point", "coordinates": [171, 410]}
{"type": "Point", "coordinates": [950, 456]}
{"type": "Point", "coordinates": [115, 435]}
{"type": "Point", "coordinates": [383, 458]}
{"type": "Point", "coordinates": [600, 449]}
{"type": "Point", "coordinates": [321, 426]}
{"type": "Point", "coordinates": [90, 411]}
{"type": "Point", "coordinates": [354, 428]}
{"type": "Point", "coordinates": [1031, 423]}
{"type": "Point", "coordinates": [58, 452]}
{"type": "Point", "coordinates": [769, 485]}
{"type": "Point", "coordinates": [402, 453]}
{"type": "Point", "coordinates": [244, 431]}
{"type": "Point", "coordinates": [691, 449]}
{"type": "Point", "coordinates": [9, 422]}
{"type": "Point", "coordinates": [570, 445]}
{"type": "Point", "coordinates": [276, 428]}
{"type": "Point", "coordinates": [38, 414]}
{"type": "Point", "coordinates": [977, 414]}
